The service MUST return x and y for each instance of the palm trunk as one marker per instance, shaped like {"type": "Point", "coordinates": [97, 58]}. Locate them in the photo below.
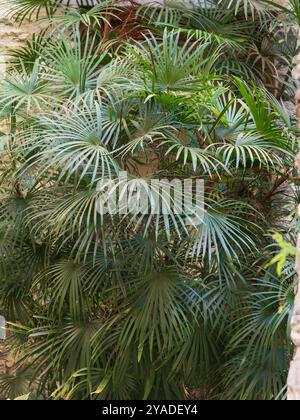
{"type": "Point", "coordinates": [294, 373]}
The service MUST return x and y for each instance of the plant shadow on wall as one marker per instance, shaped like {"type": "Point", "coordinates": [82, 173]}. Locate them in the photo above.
{"type": "Point", "coordinates": [137, 306]}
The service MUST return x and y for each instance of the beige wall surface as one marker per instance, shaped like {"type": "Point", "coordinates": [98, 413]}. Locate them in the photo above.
{"type": "Point", "coordinates": [12, 35]}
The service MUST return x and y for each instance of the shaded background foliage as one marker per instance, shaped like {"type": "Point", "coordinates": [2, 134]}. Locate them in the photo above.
{"type": "Point", "coordinates": [140, 307]}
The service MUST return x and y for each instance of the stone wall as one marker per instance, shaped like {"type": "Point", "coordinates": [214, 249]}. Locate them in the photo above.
{"type": "Point", "coordinates": [12, 35]}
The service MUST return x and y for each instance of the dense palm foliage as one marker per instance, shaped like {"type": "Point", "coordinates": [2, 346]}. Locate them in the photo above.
{"type": "Point", "coordinates": [124, 307]}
